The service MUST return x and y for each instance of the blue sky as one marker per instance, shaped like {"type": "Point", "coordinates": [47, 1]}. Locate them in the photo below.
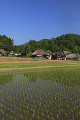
{"type": "Point", "coordinates": [22, 20]}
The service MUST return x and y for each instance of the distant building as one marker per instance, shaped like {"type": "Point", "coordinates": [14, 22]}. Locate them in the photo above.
{"type": "Point", "coordinates": [12, 53]}
{"type": "Point", "coordinates": [72, 56]}
{"type": "Point", "coordinates": [79, 57]}
{"type": "Point", "coordinates": [57, 55]}
{"type": "Point", "coordinates": [3, 52]}
{"type": "Point", "coordinates": [40, 53]}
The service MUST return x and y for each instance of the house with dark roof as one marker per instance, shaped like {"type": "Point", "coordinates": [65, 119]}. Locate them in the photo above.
{"type": "Point", "coordinates": [57, 55]}
{"type": "Point", "coordinates": [40, 53]}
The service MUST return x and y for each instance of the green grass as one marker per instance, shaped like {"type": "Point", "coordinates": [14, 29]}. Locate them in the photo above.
{"type": "Point", "coordinates": [19, 65]}
{"type": "Point", "coordinates": [68, 76]}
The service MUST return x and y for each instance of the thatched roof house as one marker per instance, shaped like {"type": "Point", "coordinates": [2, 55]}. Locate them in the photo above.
{"type": "Point", "coordinates": [3, 52]}
{"type": "Point", "coordinates": [73, 56]}
{"type": "Point", "coordinates": [40, 53]}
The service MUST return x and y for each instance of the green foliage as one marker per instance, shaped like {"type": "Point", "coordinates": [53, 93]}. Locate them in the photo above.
{"type": "Point", "coordinates": [27, 48]}
{"type": "Point", "coordinates": [6, 43]}
{"type": "Point", "coordinates": [48, 51]}
{"type": "Point", "coordinates": [29, 54]}
{"type": "Point", "coordinates": [33, 45]}
{"type": "Point", "coordinates": [16, 48]}
{"type": "Point", "coordinates": [68, 42]}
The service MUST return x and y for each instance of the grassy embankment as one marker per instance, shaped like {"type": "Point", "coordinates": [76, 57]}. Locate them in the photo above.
{"type": "Point", "coordinates": [20, 65]}
{"type": "Point", "coordinates": [14, 62]}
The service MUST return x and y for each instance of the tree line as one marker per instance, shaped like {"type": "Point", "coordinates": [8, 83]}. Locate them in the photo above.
{"type": "Point", "coordinates": [6, 43]}
{"type": "Point", "coordinates": [68, 42]}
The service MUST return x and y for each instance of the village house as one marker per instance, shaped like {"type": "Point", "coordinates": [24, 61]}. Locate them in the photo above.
{"type": "Point", "coordinates": [12, 53]}
{"type": "Point", "coordinates": [40, 53]}
{"type": "Point", "coordinates": [72, 56]}
{"type": "Point", "coordinates": [3, 52]}
{"type": "Point", "coordinates": [57, 55]}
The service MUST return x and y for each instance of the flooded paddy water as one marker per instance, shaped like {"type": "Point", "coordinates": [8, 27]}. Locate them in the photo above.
{"type": "Point", "coordinates": [42, 95]}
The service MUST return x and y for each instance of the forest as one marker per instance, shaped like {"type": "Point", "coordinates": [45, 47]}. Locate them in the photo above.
{"type": "Point", "coordinates": [68, 42]}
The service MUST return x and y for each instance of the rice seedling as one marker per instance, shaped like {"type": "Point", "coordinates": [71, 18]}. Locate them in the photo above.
{"type": "Point", "coordinates": [47, 95]}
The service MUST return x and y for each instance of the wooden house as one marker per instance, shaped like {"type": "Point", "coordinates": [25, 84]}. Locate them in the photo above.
{"type": "Point", "coordinates": [72, 56]}
{"type": "Point", "coordinates": [57, 55]}
{"type": "Point", "coordinates": [79, 57]}
{"type": "Point", "coordinates": [12, 53]}
{"type": "Point", "coordinates": [3, 52]}
{"type": "Point", "coordinates": [40, 53]}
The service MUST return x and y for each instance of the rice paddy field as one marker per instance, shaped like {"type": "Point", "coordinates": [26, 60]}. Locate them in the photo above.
{"type": "Point", "coordinates": [40, 94]}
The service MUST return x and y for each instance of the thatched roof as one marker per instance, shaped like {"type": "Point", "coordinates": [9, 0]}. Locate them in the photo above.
{"type": "Point", "coordinates": [2, 51]}
{"type": "Point", "coordinates": [39, 52]}
{"type": "Point", "coordinates": [72, 56]}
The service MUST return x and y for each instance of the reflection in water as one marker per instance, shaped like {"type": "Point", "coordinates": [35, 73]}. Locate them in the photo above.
{"type": "Point", "coordinates": [28, 98]}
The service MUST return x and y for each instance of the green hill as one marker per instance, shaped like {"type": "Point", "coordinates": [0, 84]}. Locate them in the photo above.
{"type": "Point", "coordinates": [70, 42]}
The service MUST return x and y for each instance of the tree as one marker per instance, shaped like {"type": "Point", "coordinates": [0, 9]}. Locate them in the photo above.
{"type": "Point", "coordinates": [6, 43]}
{"type": "Point", "coordinates": [48, 51]}
{"type": "Point", "coordinates": [28, 50]}
{"type": "Point", "coordinates": [33, 45]}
